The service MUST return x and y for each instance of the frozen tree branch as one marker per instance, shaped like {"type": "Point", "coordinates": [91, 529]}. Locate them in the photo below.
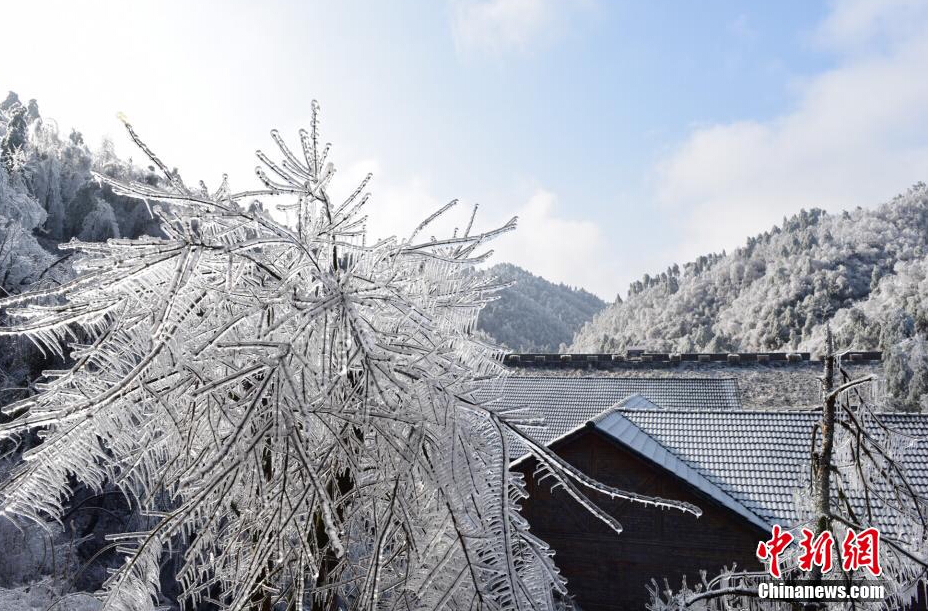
{"type": "Point", "coordinates": [291, 407]}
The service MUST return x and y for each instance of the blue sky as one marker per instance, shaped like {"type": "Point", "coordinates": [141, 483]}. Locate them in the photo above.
{"type": "Point", "coordinates": [625, 135]}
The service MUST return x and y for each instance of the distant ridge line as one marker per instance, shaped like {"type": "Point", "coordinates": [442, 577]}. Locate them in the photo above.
{"type": "Point", "coordinates": [643, 358]}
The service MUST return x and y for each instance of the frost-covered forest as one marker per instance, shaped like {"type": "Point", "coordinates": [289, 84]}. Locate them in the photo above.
{"type": "Point", "coordinates": [863, 271]}
{"type": "Point", "coordinates": [533, 314]}
{"type": "Point", "coordinates": [48, 197]}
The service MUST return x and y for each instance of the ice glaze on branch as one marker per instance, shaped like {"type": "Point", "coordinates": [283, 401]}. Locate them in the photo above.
{"type": "Point", "coordinates": [289, 405]}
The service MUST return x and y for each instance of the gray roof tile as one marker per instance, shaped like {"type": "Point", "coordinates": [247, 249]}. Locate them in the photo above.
{"type": "Point", "coordinates": [758, 458]}
{"type": "Point", "coordinates": [618, 426]}
{"type": "Point", "coordinates": [761, 458]}
{"type": "Point", "coordinates": [591, 395]}
{"type": "Point", "coordinates": [566, 403]}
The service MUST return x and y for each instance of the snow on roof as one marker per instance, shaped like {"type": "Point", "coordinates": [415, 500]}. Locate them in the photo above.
{"type": "Point", "coordinates": [636, 401]}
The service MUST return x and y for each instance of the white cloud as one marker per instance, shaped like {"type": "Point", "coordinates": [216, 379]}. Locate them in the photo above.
{"type": "Point", "coordinates": [396, 208]}
{"type": "Point", "coordinates": [742, 28]}
{"type": "Point", "coordinates": [853, 24]}
{"type": "Point", "coordinates": [546, 243]}
{"type": "Point", "coordinates": [857, 135]}
{"type": "Point", "coordinates": [557, 248]}
{"type": "Point", "coordinates": [495, 26]}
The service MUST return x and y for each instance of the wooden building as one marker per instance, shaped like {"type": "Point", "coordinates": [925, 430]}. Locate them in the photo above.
{"type": "Point", "coordinates": [609, 571]}
{"type": "Point", "coordinates": [741, 467]}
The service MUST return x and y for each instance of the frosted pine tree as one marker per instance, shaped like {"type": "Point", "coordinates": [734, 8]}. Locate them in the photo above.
{"type": "Point", "coordinates": [290, 406]}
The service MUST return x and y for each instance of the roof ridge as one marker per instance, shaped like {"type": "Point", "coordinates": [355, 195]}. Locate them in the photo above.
{"type": "Point", "coordinates": [633, 399]}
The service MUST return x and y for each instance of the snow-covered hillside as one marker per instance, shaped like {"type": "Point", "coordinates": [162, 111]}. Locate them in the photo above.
{"type": "Point", "coordinates": [535, 315]}
{"type": "Point", "coordinates": [864, 271]}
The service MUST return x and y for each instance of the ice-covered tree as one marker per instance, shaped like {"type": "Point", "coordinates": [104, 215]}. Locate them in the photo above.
{"type": "Point", "coordinates": [14, 138]}
{"type": "Point", "coordinates": [290, 406]}
{"type": "Point", "coordinates": [779, 291]}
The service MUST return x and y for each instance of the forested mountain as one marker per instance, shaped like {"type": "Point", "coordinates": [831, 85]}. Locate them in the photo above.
{"type": "Point", "coordinates": [533, 314]}
{"type": "Point", "coordinates": [47, 197]}
{"type": "Point", "coordinates": [863, 271]}
{"type": "Point", "coordinates": [54, 172]}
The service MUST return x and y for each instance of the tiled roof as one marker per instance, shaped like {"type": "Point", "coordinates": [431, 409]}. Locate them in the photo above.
{"type": "Point", "coordinates": [584, 397]}
{"type": "Point", "coordinates": [616, 425]}
{"type": "Point", "coordinates": [762, 457]}
{"type": "Point", "coordinates": [759, 458]}
{"type": "Point", "coordinates": [566, 403]}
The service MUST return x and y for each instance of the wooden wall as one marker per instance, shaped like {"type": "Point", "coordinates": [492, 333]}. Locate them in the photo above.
{"type": "Point", "coordinates": [609, 571]}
